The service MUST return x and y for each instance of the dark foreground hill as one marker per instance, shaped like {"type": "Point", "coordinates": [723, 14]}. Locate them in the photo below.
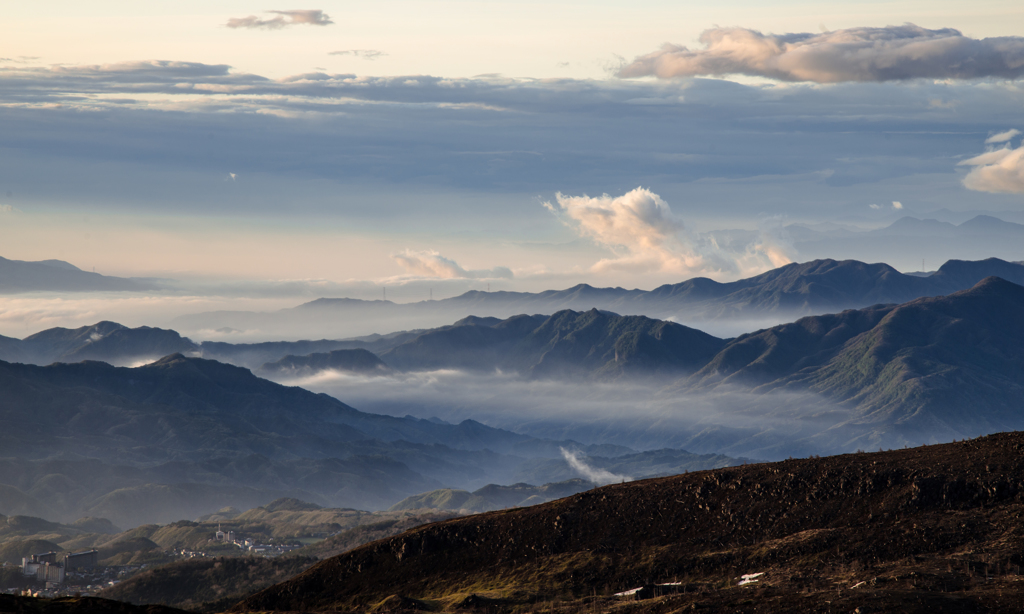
{"type": "Point", "coordinates": [921, 530]}
{"type": "Point", "coordinates": [77, 605]}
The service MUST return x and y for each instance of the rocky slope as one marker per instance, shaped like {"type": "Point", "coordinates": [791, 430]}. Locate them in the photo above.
{"type": "Point", "coordinates": [934, 528]}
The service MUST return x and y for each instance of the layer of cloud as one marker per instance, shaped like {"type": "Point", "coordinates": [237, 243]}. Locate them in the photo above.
{"type": "Point", "coordinates": [997, 170]}
{"type": "Point", "coordinates": [366, 54]}
{"type": "Point", "coordinates": [891, 53]}
{"type": "Point", "coordinates": [283, 20]}
{"type": "Point", "coordinates": [640, 228]}
{"type": "Point", "coordinates": [481, 151]}
{"type": "Point", "coordinates": [431, 264]}
{"type": "Point", "coordinates": [9, 209]}
{"type": "Point", "coordinates": [1002, 137]}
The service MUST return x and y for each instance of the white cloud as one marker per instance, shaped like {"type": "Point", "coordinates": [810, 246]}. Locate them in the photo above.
{"type": "Point", "coordinates": [855, 54]}
{"type": "Point", "coordinates": [1002, 137]}
{"type": "Point", "coordinates": [431, 264]}
{"type": "Point", "coordinates": [640, 228]}
{"type": "Point", "coordinates": [997, 170]}
{"type": "Point", "coordinates": [366, 54]}
{"type": "Point", "coordinates": [283, 20]}
{"type": "Point", "coordinates": [9, 209]}
{"type": "Point", "coordinates": [875, 207]}
{"type": "Point", "coordinates": [897, 205]}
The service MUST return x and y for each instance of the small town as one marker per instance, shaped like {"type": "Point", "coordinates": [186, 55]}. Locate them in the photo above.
{"type": "Point", "coordinates": [59, 574]}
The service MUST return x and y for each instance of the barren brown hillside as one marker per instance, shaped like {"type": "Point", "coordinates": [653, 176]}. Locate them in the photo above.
{"type": "Point", "coordinates": [935, 528]}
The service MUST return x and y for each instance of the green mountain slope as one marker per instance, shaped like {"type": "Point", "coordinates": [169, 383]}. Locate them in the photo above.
{"type": "Point", "coordinates": [939, 368]}
{"type": "Point", "coordinates": [566, 344]}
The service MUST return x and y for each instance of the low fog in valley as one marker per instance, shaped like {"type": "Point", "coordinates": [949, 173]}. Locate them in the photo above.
{"type": "Point", "coordinates": [640, 413]}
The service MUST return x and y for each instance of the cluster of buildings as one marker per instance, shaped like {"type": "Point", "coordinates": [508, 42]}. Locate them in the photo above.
{"type": "Point", "coordinates": [52, 568]}
{"type": "Point", "coordinates": [249, 545]}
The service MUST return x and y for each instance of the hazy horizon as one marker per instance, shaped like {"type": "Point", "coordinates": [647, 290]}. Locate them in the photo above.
{"type": "Point", "coordinates": [263, 152]}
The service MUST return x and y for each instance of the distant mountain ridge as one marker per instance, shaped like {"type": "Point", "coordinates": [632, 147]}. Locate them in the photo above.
{"type": "Point", "coordinates": [566, 344]}
{"type": "Point", "coordinates": [907, 239]}
{"type": "Point", "coordinates": [793, 290]}
{"type": "Point", "coordinates": [59, 276]}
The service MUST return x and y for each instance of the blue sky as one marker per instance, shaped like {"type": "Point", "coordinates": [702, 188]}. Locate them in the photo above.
{"type": "Point", "coordinates": [459, 144]}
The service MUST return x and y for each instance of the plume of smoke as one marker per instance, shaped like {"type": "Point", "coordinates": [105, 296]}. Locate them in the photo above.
{"type": "Point", "coordinates": [854, 54]}
{"type": "Point", "coordinates": [283, 20]}
{"type": "Point", "coordinates": [592, 474]}
{"type": "Point", "coordinates": [997, 170]}
{"type": "Point", "coordinates": [640, 228]}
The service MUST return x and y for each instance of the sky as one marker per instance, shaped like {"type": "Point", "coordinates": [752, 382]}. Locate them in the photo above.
{"type": "Point", "coordinates": [248, 150]}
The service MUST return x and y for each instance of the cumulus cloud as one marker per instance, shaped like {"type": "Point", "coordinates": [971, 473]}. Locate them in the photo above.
{"type": "Point", "coordinates": [891, 53]}
{"type": "Point", "coordinates": [9, 209]}
{"type": "Point", "coordinates": [897, 205]}
{"type": "Point", "coordinates": [645, 236]}
{"type": "Point", "coordinates": [997, 170]}
{"type": "Point", "coordinates": [283, 20]}
{"type": "Point", "coordinates": [366, 54]}
{"type": "Point", "coordinates": [430, 263]}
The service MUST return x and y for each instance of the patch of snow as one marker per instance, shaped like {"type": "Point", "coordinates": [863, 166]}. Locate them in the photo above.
{"type": "Point", "coordinates": [631, 591]}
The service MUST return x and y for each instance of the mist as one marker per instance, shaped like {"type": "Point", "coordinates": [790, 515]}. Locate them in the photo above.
{"type": "Point", "coordinates": [639, 413]}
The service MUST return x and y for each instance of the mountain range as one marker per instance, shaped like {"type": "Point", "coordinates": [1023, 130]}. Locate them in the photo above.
{"type": "Point", "coordinates": [185, 436]}
{"type": "Point", "coordinates": [906, 241]}
{"type": "Point", "coordinates": [782, 294]}
{"type": "Point", "coordinates": [882, 376]}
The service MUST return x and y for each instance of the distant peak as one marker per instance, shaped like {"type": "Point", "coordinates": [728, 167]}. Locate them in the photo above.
{"type": "Point", "coordinates": [170, 359]}
{"type": "Point", "coordinates": [993, 283]}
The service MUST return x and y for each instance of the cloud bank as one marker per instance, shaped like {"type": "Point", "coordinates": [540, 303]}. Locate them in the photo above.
{"type": "Point", "coordinates": [892, 53]}
{"type": "Point", "coordinates": [432, 264]}
{"type": "Point", "coordinates": [366, 54]}
{"type": "Point", "coordinates": [283, 20]}
{"type": "Point", "coordinates": [640, 228]}
{"type": "Point", "coordinates": [997, 170]}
